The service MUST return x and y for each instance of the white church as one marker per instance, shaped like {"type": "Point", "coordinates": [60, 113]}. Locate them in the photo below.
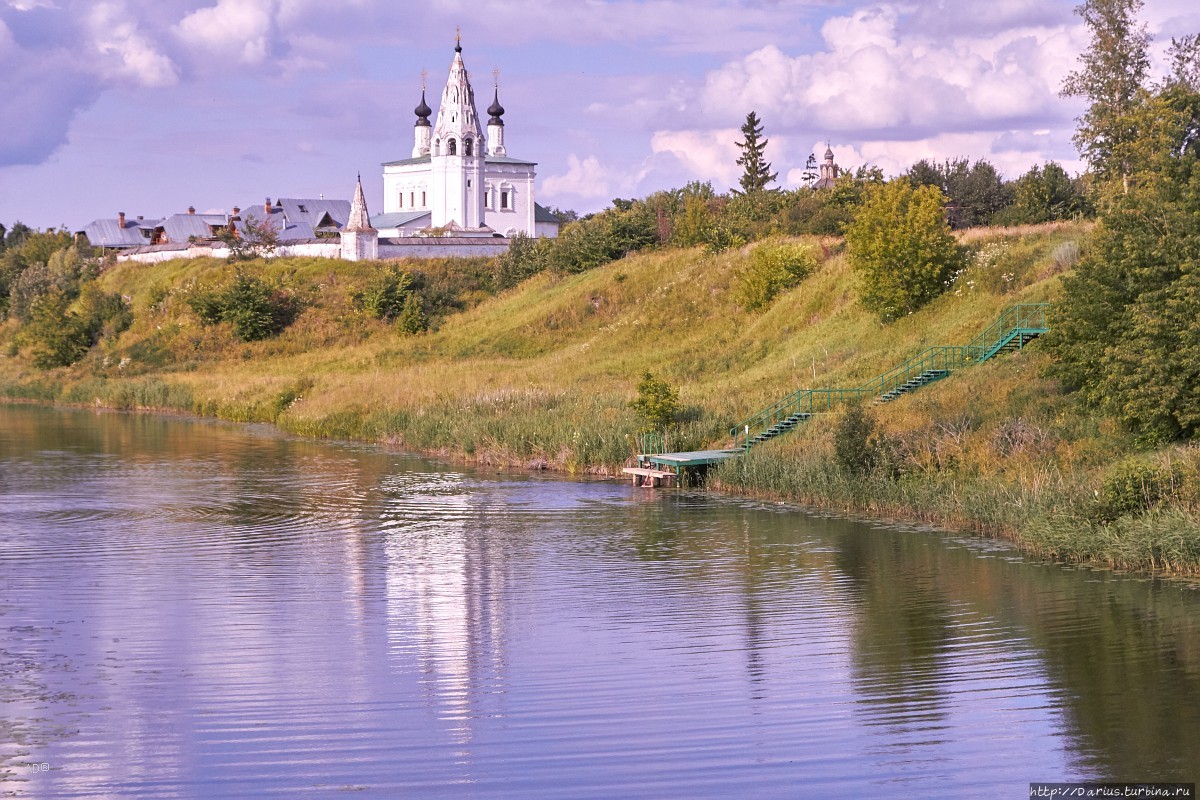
{"type": "Point", "coordinates": [458, 181]}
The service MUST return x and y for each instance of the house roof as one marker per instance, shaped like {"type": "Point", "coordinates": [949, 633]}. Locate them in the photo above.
{"type": "Point", "coordinates": [398, 219]}
{"type": "Point", "coordinates": [543, 214]}
{"type": "Point", "coordinates": [507, 160]}
{"type": "Point", "coordinates": [106, 232]}
{"type": "Point", "coordinates": [181, 227]}
{"type": "Point", "coordinates": [404, 162]}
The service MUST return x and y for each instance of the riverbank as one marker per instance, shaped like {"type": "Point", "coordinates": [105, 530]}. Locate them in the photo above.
{"type": "Point", "coordinates": [541, 376]}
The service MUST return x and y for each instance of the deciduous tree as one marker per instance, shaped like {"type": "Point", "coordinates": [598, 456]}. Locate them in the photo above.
{"type": "Point", "coordinates": [901, 248]}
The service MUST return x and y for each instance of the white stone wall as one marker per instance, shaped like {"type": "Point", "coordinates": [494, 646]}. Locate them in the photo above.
{"type": "Point", "coordinates": [517, 181]}
{"type": "Point", "coordinates": [410, 247]}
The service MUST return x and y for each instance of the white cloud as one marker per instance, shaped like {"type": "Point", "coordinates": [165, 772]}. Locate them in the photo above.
{"type": "Point", "coordinates": [129, 54]}
{"type": "Point", "coordinates": [709, 155]}
{"type": "Point", "coordinates": [586, 179]}
{"type": "Point", "coordinates": [237, 31]}
{"type": "Point", "coordinates": [875, 75]}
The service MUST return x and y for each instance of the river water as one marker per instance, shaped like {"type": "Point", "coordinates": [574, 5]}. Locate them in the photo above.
{"type": "Point", "coordinates": [194, 609]}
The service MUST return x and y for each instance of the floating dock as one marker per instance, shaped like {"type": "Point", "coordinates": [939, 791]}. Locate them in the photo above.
{"type": "Point", "coordinates": [661, 469]}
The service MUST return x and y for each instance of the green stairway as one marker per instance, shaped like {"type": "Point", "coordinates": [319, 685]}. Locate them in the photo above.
{"type": "Point", "coordinates": [1017, 326]}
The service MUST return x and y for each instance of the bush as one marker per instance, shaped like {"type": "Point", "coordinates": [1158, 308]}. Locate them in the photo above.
{"type": "Point", "coordinates": [774, 267]}
{"type": "Point", "coordinates": [385, 294]}
{"type": "Point", "coordinates": [524, 258]}
{"type": "Point", "coordinates": [657, 403]}
{"type": "Point", "coordinates": [1134, 487]}
{"type": "Point", "coordinates": [855, 447]}
{"type": "Point", "coordinates": [412, 316]}
{"type": "Point", "coordinates": [902, 248]}
{"type": "Point", "coordinates": [58, 337]}
{"type": "Point", "coordinates": [254, 309]}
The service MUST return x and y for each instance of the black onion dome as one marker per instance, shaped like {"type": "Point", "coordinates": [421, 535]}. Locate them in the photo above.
{"type": "Point", "coordinates": [423, 112]}
{"type": "Point", "coordinates": [496, 110]}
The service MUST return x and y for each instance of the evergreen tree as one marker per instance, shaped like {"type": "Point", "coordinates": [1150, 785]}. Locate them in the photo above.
{"type": "Point", "coordinates": [756, 170]}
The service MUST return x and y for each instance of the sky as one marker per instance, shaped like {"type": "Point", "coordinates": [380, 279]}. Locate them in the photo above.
{"type": "Point", "coordinates": [151, 106]}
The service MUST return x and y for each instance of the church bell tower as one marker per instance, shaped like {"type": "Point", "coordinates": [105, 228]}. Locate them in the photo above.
{"type": "Point", "coordinates": [457, 153]}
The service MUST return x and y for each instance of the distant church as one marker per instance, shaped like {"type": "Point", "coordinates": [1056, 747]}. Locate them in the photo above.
{"type": "Point", "coordinates": [458, 181]}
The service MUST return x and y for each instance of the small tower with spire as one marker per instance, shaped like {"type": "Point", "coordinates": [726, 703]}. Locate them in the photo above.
{"type": "Point", "coordinates": [360, 242]}
{"type": "Point", "coordinates": [495, 126]}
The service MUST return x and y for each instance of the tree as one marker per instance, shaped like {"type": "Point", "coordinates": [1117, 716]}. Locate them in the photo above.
{"type": "Point", "coordinates": [756, 170]}
{"type": "Point", "coordinates": [255, 240]}
{"type": "Point", "coordinates": [1111, 76]}
{"type": "Point", "coordinates": [810, 174]}
{"type": "Point", "coordinates": [1045, 193]}
{"type": "Point", "coordinates": [1125, 333]}
{"type": "Point", "coordinates": [974, 192]}
{"type": "Point", "coordinates": [657, 403]}
{"type": "Point", "coordinates": [901, 248]}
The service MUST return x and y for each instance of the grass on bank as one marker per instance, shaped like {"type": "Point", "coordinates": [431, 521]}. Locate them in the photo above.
{"type": "Point", "coordinates": [542, 374]}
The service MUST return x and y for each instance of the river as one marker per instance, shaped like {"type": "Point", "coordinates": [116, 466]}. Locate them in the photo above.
{"type": "Point", "coordinates": [196, 609]}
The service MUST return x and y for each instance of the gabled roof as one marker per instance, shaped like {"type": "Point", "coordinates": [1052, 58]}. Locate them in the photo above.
{"type": "Point", "coordinates": [107, 232]}
{"type": "Point", "coordinates": [285, 230]}
{"type": "Point", "coordinates": [181, 227]}
{"type": "Point", "coordinates": [543, 214]}
{"type": "Point", "coordinates": [319, 213]}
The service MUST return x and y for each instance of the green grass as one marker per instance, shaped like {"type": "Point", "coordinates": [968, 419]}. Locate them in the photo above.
{"type": "Point", "coordinates": [542, 374]}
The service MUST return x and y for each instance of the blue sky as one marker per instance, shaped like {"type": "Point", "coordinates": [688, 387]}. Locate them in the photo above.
{"type": "Point", "coordinates": [149, 106]}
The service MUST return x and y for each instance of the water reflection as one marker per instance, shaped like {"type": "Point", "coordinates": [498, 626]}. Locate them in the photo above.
{"type": "Point", "coordinates": [192, 609]}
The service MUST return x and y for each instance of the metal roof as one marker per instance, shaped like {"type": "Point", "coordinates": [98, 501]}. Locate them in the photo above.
{"type": "Point", "coordinates": [314, 212]}
{"type": "Point", "coordinates": [181, 227]}
{"type": "Point", "coordinates": [507, 160]}
{"type": "Point", "coordinates": [397, 219]}
{"type": "Point", "coordinates": [543, 214]}
{"type": "Point", "coordinates": [106, 232]}
{"type": "Point", "coordinates": [404, 162]}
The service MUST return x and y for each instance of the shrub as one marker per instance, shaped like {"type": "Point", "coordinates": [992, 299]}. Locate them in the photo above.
{"type": "Point", "coordinates": [412, 316]}
{"type": "Point", "coordinates": [657, 403]}
{"type": "Point", "coordinates": [385, 294]}
{"type": "Point", "coordinates": [1133, 487]}
{"type": "Point", "coordinates": [524, 258]}
{"type": "Point", "coordinates": [901, 247]}
{"type": "Point", "coordinates": [58, 337]}
{"type": "Point", "coordinates": [774, 267]}
{"type": "Point", "coordinates": [254, 309]}
{"type": "Point", "coordinates": [855, 448]}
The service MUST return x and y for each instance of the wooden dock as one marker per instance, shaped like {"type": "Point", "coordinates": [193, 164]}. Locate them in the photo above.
{"type": "Point", "coordinates": [663, 469]}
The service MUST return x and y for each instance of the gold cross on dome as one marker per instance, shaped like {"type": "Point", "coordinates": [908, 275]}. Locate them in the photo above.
{"type": "Point", "coordinates": [496, 76]}
{"type": "Point", "coordinates": [424, 75]}
{"type": "Point", "coordinates": [458, 34]}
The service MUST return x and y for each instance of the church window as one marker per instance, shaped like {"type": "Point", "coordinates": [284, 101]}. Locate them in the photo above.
{"type": "Point", "coordinates": [504, 199]}
{"type": "Point", "coordinates": [422, 199]}
{"type": "Point", "coordinates": [452, 147]}
{"type": "Point", "coordinates": [467, 143]}
{"type": "Point", "coordinates": [410, 199]}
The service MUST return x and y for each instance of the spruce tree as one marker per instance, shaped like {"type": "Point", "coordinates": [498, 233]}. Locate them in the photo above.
{"type": "Point", "coordinates": [756, 170]}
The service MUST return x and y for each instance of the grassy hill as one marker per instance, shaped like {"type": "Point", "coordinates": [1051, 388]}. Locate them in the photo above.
{"type": "Point", "coordinates": [543, 374]}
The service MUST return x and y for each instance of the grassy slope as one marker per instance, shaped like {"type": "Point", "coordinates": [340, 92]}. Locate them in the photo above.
{"type": "Point", "coordinates": [544, 372]}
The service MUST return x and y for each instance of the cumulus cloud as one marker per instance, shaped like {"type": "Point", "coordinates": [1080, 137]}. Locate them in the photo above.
{"type": "Point", "coordinates": [584, 178]}
{"type": "Point", "coordinates": [129, 54]}
{"type": "Point", "coordinates": [874, 75]}
{"type": "Point", "coordinates": [232, 31]}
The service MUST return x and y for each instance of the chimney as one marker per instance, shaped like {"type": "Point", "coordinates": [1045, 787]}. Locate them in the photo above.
{"type": "Point", "coordinates": [120, 219]}
{"type": "Point", "coordinates": [139, 217]}
{"type": "Point", "coordinates": [267, 207]}
{"type": "Point", "coordinates": [191, 209]}
{"type": "Point", "coordinates": [236, 211]}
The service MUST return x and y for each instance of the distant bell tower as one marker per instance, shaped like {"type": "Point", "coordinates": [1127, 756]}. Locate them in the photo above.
{"type": "Point", "coordinates": [458, 153]}
{"type": "Point", "coordinates": [422, 131]}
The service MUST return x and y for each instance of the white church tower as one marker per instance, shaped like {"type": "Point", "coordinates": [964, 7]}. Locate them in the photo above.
{"type": "Point", "coordinates": [458, 154]}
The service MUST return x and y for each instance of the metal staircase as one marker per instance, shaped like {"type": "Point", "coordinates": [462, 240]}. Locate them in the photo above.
{"type": "Point", "coordinates": [1016, 327]}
